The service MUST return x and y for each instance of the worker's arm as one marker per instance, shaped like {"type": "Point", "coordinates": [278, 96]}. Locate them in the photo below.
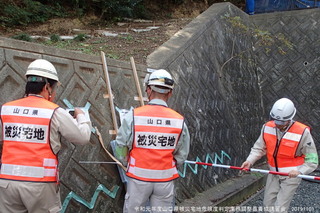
{"type": "Point", "coordinates": [77, 131]}
{"type": "Point", "coordinates": [307, 148]}
{"type": "Point", "coordinates": [182, 149]}
{"type": "Point", "coordinates": [124, 138]}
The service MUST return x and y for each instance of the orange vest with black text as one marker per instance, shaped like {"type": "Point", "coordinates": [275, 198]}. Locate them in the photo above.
{"type": "Point", "coordinates": [282, 154]}
{"type": "Point", "coordinates": [26, 153]}
{"type": "Point", "coordinates": [156, 133]}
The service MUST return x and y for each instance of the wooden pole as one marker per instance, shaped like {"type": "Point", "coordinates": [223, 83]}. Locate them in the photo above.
{"type": "Point", "coordinates": [136, 79]}
{"type": "Point", "coordinates": [109, 94]}
{"type": "Point", "coordinates": [309, 177]}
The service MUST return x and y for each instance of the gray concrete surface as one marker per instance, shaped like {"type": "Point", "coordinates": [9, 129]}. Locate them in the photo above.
{"type": "Point", "coordinates": [224, 108]}
{"type": "Point", "coordinates": [222, 196]}
{"type": "Point", "coordinates": [305, 200]}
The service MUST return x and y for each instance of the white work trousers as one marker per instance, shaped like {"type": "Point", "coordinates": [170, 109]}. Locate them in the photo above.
{"type": "Point", "coordinates": [279, 192]}
{"type": "Point", "coordinates": [29, 197]}
{"type": "Point", "coordinates": [159, 194]}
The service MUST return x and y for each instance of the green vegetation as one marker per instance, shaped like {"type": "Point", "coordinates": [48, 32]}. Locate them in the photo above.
{"type": "Point", "coordinates": [23, 37]}
{"type": "Point", "coordinates": [26, 12]}
{"type": "Point", "coordinates": [262, 39]}
{"type": "Point", "coordinates": [113, 55]}
{"type": "Point", "coordinates": [71, 45]}
{"type": "Point", "coordinates": [128, 37]}
{"type": "Point", "coordinates": [55, 38]}
{"type": "Point", "coordinates": [120, 8]}
{"type": "Point", "coordinates": [59, 44]}
{"type": "Point", "coordinates": [83, 47]}
{"type": "Point", "coordinates": [81, 37]}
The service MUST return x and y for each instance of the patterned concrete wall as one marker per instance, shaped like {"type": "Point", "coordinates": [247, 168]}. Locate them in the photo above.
{"type": "Point", "coordinates": [224, 98]}
{"type": "Point", "coordinates": [83, 82]}
{"type": "Point", "coordinates": [296, 74]}
{"type": "Point", "coordinates": [226, 108]}
{"type": "Point", "coordinates": [221, 103]}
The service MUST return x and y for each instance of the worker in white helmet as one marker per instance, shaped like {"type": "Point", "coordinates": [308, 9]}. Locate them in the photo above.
{"type": "Point", "coordinates": [30, 134]}
{"type": "Point", "coordinates": [289, 148]}
{"type": "Point", "coordinates": [158, 141]}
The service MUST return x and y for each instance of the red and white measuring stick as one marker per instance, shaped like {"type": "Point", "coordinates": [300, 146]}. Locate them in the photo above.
{"type": "Point", "coordinates": [309, 177]}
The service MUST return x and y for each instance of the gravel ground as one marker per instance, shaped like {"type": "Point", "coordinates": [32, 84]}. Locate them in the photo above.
{"type": "Point", "coordinates": [306, 199]}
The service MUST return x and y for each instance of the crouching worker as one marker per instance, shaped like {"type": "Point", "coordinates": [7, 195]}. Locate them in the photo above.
{"type": "Point", "coordinates": [290, 148]}
{"type": "Point", "coordinates": [158, 140]}
{"type": "Point", "coordinates": [31, 129]}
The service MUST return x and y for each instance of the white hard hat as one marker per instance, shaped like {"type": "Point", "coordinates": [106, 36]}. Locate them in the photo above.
{"type": "Point", "coordinates": [160, 78]}
{"type": "Point", "coordinates": [43, 68]}
{"type": "Point", "coordinates": [283, 110]}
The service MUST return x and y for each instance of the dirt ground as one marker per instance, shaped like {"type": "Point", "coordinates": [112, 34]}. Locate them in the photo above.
{"type": "Point", "coordinates": [119, 40]}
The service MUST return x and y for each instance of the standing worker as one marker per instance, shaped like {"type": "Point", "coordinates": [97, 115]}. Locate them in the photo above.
{"type": "Point", "coordinates": [290, 148]}
{"type": "Point", "coordinates": [158, 141]}
{"type": "Point", "coordinates": [31, 129]}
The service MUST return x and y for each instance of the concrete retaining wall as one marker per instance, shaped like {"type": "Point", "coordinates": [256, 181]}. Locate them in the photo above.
{"type": "Point", "coordinates": [83, 84]}
{"type": "Point", "coordinates": [296, 74]}
{"type": "Point", "coordinates": [244, 91]}
{"type": "Point", "coordinates": [224, 98]}
{"type": "Point", "coordinates": [222, 104]}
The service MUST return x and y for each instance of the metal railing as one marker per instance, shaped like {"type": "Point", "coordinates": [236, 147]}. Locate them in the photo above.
{"type": "Point", "coordinates": [265, 6]}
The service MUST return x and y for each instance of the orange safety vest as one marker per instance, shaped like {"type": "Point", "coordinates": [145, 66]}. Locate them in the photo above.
{"type": "Point", "coordinates": [156, 133]}
{"type": "Point", "coordinates": [282, 154]}
{"type": "Point", "coordinates": [26, 153]}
